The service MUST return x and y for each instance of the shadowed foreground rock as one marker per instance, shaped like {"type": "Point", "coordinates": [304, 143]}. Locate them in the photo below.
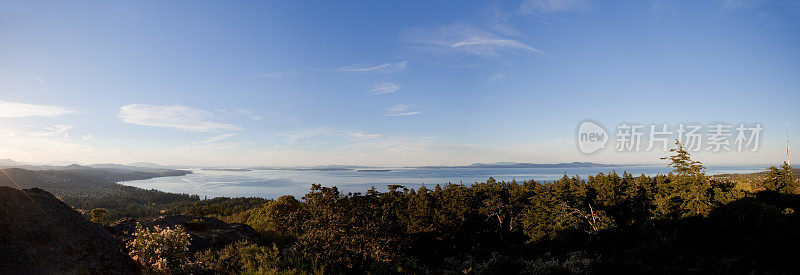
{"type": "Point", "coordinates": [41, 234]}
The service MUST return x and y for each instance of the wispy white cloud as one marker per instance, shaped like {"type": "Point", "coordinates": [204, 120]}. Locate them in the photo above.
{"type": "Point", "coordinates": [14, 109]}
{"type": "Point", "coordinates": [172, 116]}
{"type": "Point", "coordinates": [497, 77]}
{"type": "Point", "coordinates": [217, 138]}
{"type": "Point", "coordinates": [404, 114]}
{"type": "Point", "coordinates": [43, 84]}
{"type": "Point", "coordinates": [361, 135]}
{"type": "Point", "coordinates": [86, 137]}
{"type": "Point", "coordinates": [734, 4]}
{"type": "Point", "coordinates": [489, 43]}
{"type": "Point", "coordinates": [384, 88]}
{"type": "Point", "coordinates": [248, 113]}
{"type": "Point", "coordinates": [400, 107]}
{"type": "Point", "coordinates": [766, 8]}
{"type": "Point", "coordinates": [308, 133]}
{"type": "Point", "coordinates": [466, 39]}
{"type": "Point", "coordinates": [387, 67]}
{"type": "Point", "coordinates": [401, 110]}
{"type": "Point", "coordinates": [539, 7]}
{"type": "Point", "coordinates": [48, 131]}
{"type": "Point", "coordinates": [497, 20]}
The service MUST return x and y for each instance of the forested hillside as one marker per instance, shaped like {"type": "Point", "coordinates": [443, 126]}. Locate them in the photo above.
{"type": "Point", "coordinates": [89, 188]}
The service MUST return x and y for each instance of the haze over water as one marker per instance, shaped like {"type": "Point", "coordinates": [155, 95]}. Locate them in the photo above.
{"type": "Point", "coordinates": [276, 183]}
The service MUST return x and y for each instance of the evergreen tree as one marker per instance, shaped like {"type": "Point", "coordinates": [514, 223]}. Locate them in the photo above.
{"type": "Point", "coordinates": [99, 215]}
{"type": "Point", "coordinates": [683, 163]}
{"type": "Point", "coordinates": [688, 192]}
{"type": "Point", "coordinates": [780, 180]}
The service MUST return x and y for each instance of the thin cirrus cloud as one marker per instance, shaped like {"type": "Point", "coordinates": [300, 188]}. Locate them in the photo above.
{"type": "Point", "coordinates": [214, 140]}
{"type": "Point", "coordinates": [402, 110]}
{"type": "Point", "coordinates": [465, 39]}
{"type": "Point", "coordinates": [745, 4]}
{"type": "Point", "coordinates": [172, 116]}
{"type": "Point", "coordinates": [497, 77]}
{"type": "Point", "coordinates": [217, 138]}
{"type": "Point", "coordinates": [248, 113]}
{"type": "Point", "coordinates": [387, 67]}
{"type": "Point", "coordinates": [384, 88]}
{"type": "Point", "coordinates": [404, 114]}
{"type": "Point", "coordinates": [15, 110]}
{"type": "Point", "coordinates": [55, 130]}
{"type": "Point", "coordinates": [490, 43]}
{"type": "Point", "coordinates": [539, 7]}
{"type": "Point", "coordinates": [308, 133]}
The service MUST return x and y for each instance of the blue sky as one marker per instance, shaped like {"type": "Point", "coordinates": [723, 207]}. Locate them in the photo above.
{"type": "Point", "coordinates": [385, 83]}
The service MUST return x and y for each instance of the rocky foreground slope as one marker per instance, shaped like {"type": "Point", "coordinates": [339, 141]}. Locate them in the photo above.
{"type": "Point", "coordinates": [41, 234]}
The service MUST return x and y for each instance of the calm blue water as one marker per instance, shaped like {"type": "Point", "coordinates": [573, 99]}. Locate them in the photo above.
{"type": "Point", "coordinates": [275, 183]}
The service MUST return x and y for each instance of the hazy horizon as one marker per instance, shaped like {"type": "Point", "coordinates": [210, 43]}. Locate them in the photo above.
{"type": "Point", "coordinates": [143, 164]}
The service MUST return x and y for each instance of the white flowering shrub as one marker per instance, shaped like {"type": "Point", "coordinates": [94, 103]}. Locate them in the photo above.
{"type": "Point", "coordinates": [161, 250]}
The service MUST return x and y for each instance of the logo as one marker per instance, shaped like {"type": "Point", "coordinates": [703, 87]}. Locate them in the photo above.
{"type": "Point", "coordinates": [591, 137]}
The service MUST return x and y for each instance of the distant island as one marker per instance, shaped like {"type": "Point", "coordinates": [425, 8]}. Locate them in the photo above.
{"type": "Point", "coordinates": [228, 169]}
{"type": "Point", "coordinates": [137, 166]}
{"type": "Point", "coordinates": [373, 170]}
{"type": "Point", "coordinates": [311, 168]}
{"type": "Point", "coordinates": [527, 165]}
{"type": "Point", "coordinates": [474, 165]}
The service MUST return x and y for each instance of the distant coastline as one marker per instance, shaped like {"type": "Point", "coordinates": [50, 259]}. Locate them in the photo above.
{"type": "Point", "coordinates": [529, 165]}
{"type": "Point", "coordinates": [474, 165]}
{"type": "Point", "coordinates": [227, 169]}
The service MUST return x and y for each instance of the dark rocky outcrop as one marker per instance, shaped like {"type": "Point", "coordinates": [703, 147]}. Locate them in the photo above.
{"type": "Point", "coordinates": [41, 234]}
{"type": "Point", "coordinates": [205, 233]}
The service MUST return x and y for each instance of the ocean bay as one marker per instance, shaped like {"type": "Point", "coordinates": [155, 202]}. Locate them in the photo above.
{"type": "Point", "coordinates": [275, 183]}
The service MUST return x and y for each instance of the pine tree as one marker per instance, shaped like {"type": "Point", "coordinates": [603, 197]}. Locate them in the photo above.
{"type": "Point", "coordinates": [780, 180]}
{"type": "Point", "coordinates": [683, 163]}
{"type": "Point", "coordinates": [98, 215]}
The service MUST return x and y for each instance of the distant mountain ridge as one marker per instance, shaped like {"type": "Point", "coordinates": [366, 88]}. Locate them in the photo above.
{"type": "Point", "coordinates": [139, 166]}
{"type": "Point", "coordinates": [136, 166]}
{"type": "Point", "coordinates": [146, 166]}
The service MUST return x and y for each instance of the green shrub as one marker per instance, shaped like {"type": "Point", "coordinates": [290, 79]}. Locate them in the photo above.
{"type": "Point", "coordinates": [162, 250]}
{"type": "Point", "coordinates": [243, 256]}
